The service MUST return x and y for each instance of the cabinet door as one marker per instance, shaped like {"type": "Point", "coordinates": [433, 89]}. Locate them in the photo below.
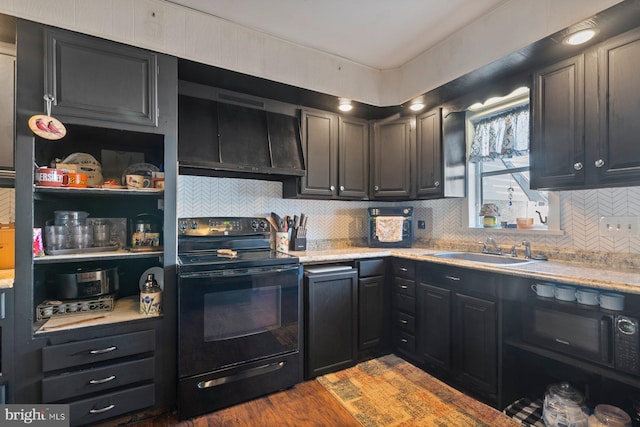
{"type": "Point", "coordinates": [475, 349]}
{"type": "Point", "coordinates": [102, 80]}
{"type": "Point", "coordinates": [353, 160]}
{"type": "Point", "coordinates": [319, 146]}
{"type": "Point", "coordinates": [7, 110]}
{"type": "Point", "coordinates": [429, 177]}
{"type": "Point", "coordinates": [618, 159]}
{"type": "Point", "coordinates": [373, 318]}
{"type": "Point", "coordinates": [332, 307]}
{"type": "Point", "coordinates": [391, 166]}
{"type": "Point", "coordinates": [557, 140]}
{"type": "Point", "coordinates": [434, 325]}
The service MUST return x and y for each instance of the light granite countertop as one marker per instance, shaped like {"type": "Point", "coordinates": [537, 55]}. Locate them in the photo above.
{"type": "Point", "coordinates": [621, 280]}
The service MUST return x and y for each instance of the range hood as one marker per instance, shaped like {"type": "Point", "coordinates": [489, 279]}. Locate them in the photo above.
{"type": "Point", "coordinates": [233, 135]}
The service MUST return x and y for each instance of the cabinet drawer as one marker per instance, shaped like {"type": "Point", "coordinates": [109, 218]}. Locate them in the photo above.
{"type": "Point", "coordinates": [404, 303]}
{"type": "Point", "coordinates": [73, 384]}
{"type": "Point", "coordinates": [96, 350]}
{"type": "Point", "coordinates": [90, 411]}
{"type": "Point", "coordinates": [404, 286]}
{"type": "Point", "coordinates": [405, 341]}
{"type": "Point", "coordinates": [461, 278]}
{"type": "Point", "coordinates": [404, 268]}
{"type": "Point", "coordinates": [371, 267]}
{"type": "Point", "coordinates": [404, 321]}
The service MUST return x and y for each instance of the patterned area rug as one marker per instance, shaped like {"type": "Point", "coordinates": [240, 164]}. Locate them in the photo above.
{"type": "Point", "coordinates": [389, 391]}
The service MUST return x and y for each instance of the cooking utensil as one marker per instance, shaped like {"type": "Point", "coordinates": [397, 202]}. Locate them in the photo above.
{"type": "Point", "coordinates": [46, 126]}
{"type": "Point", "coordinates": [278, 220]}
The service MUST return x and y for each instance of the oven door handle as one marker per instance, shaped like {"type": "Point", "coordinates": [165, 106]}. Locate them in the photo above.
{"type": "Point", "coordinates": [240, 272]}
{"type": "Point", "coordinates": [252, 372]}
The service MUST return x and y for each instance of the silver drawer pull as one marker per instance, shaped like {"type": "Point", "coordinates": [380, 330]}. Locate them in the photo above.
{"type": "Point", "coordinates": [454, 278]}
{"type": "Point", "coordinates": [104, 350]}
{"type": "Point", "coordinates": [404, 287]}
{"type": "Point", "coordinates": [403, 269]}
{"type": "Point", "coordinates": [101, 410]}
{"type": "Point", "coordinates": [404, 341]}
{"type": "Point", "coordinates": [404, 322]}
{"type": "Point", "coordinates": [102, 381]}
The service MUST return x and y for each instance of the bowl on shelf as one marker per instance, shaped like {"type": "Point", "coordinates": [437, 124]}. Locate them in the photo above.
{"type": "Point", "coordinates": [524, 222]}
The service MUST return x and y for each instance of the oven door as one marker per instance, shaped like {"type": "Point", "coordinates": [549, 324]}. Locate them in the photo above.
{"type": "Point", "coordinates": [233, 316]}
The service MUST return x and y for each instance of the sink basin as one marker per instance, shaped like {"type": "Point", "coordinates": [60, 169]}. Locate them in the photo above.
{"type": "Point", "coordinates": [484, 258]}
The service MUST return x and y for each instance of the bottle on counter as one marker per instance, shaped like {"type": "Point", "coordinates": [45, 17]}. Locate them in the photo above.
{"type": "Point", "coordinates": [151, 297]}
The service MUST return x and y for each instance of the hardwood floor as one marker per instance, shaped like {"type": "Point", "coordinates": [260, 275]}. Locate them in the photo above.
{"type": "Point", "coordinates": [306, 404]}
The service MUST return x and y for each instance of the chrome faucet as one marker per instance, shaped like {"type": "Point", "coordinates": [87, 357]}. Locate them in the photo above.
{"type": "Point", "coordinates": [495, 249]}
{"type": "Point", "coordinates": [527, 249]}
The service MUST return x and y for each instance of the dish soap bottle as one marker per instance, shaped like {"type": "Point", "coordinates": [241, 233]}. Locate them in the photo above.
{"type": "Point", "coordinates": [151, 297]}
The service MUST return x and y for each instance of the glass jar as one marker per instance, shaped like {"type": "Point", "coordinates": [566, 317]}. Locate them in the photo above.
{"type": "Point", "coordinates": [564, 406]}
{"type": "Point", "coordinates": [609, 416]}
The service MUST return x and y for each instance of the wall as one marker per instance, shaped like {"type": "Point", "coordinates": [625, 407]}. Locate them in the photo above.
{"type": "Point", "coordinates": [341, 220]}
{"type": "Point", "coordinates": [165, 27]}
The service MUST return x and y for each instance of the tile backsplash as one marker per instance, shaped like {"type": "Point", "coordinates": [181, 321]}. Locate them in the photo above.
{"type": "Point", "coordinates": [339, 220]}
{"type": "Point", "coordinates": [7, 205]}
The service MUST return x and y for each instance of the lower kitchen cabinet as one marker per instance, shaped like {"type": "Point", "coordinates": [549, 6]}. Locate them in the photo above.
{"type": "Point", "coordinates": [101, 378]}
{"type": "Point", "coordinates": [331, 308]}
{"type": "Point", "coordinates": [373, 308]}
{"type": "Point", "coordinates": [457, 327]}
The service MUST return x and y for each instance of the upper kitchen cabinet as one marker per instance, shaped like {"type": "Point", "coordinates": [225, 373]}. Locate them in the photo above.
{"type": "Point", "coordinates": [95, 79]}
{"type": "Point", "coordinates": [585, 123]}
{"type": "Point", "coordinates": [392, 151]}
{"type": "Point", "coordinates": [429, 154]}
{"type": "Point", "coordinates": [336, 153]}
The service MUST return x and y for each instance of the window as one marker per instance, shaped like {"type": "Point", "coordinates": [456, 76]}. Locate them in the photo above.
{"type": "Point", "coordinates": [498, 142]}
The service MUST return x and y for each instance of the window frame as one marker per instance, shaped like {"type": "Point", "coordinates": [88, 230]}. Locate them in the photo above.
{"type": "Point", "coordinates": [474, 173]}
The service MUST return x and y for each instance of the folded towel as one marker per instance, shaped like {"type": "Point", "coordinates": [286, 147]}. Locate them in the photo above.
{"type": "Point", "coordinates": [389, 228]}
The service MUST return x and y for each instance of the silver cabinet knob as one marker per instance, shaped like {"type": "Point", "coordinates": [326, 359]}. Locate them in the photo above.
{"type": "Point", "coordinates": [333, 187]}
{"type": "Point", "coordinates": [342, 188]}
{"type": "Point", "coordinates": [599, 163]}
{"type": "Point", "coordinates": [376, 188]}
{"type": "Point", "coordinates": [437, 183]}
{"type": "Point", "coordinates": [577, 166]}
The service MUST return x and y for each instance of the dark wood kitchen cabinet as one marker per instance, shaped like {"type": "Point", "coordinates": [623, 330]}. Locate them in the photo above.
{"type": "Point", "coordinates": [403, 307]}
{"type": "Point", "coordinates": [391, 159]}
{"type": "Point", "coordinates": [457, 326]}
{"type": "Point", "coordinates": [92, 131]}
{"type": "Point", "coordinates": [331, 309]}
{"type": "Point", "coordinates": [374, 330]}
{"type": "Point", "coordinates": [100, 80]}
{"type": "Point", "coordinates": [336, 154]}
{"type": "Point", "coordinates": [429, 178]}
{"type": "Point", "coordinates": [584, 118]}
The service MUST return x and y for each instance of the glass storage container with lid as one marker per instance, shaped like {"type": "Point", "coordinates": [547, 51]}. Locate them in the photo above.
{"type": "Point", "coordinates": [564, 407]}
{"type": "Point", "coordinates": [609, 416]}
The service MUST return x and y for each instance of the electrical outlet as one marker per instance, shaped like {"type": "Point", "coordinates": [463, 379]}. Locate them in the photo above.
{"type": "Point", "coordinates": [421, 224]}
{"type": "Point", "coordinates": [618, 226]}
{"type": "Point", "coordinates": [359, 223]}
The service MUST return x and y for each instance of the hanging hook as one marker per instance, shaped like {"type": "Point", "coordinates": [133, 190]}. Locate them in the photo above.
{"type": "Point", "coordinates": [49, 99]}
{"type": "Point", "coordinates": [543, 221]}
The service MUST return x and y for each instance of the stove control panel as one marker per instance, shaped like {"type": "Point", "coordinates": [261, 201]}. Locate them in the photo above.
{"type": "Point", "coordinates": [222, 226]}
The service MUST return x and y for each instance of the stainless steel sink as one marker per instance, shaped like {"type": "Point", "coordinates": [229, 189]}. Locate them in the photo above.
{"type": "Point", "coordinates": [484, 258]}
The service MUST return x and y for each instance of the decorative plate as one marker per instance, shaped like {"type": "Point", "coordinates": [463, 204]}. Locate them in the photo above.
{"type": "Point", "coordinates": [145, 169]}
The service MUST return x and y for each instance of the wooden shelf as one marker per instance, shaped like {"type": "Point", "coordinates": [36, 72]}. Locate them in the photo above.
{"type": "Point", "coordinates": [66, 191]}
{"type": "Point", "coordinates": [92, 256]}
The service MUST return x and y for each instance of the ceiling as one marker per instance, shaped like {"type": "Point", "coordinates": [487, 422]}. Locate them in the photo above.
{"type": "Point", "coordinates": [381, 34]}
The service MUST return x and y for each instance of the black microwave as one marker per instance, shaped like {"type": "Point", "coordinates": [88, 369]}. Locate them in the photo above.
{"type": "Point", "coordinates": [600, 336]}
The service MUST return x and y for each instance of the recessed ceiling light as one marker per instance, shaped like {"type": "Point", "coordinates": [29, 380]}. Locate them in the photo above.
{"type": "Point", "coordinates": [344, 104]}
{"type": "Point", "coordinates": [580, 37]}
{"type": "Point", "coordinates": [416, 105]}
